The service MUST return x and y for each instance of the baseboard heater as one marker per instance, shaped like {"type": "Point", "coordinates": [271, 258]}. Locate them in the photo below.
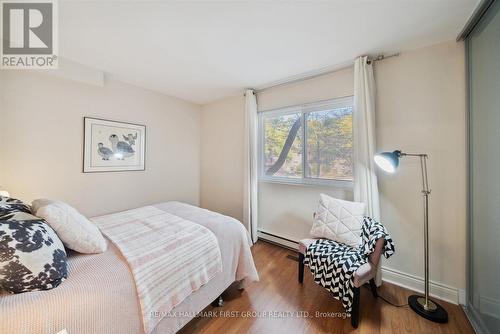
{"type": "Point", "coordinates": [276, 239]}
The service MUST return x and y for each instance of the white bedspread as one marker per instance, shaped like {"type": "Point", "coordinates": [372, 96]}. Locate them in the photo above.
{"type": "Point", "coordinates": [170, 257]}
{"type": "Point", "coordinates": [99, 295]}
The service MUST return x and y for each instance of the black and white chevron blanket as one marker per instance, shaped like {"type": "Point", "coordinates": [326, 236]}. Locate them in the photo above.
{"type": "Point", "coordinates": [333, 264]}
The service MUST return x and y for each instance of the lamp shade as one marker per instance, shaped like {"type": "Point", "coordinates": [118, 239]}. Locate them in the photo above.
{"type": "Point", "coordinates": [388, 161]}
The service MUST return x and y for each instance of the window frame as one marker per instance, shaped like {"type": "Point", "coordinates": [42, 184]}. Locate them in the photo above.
{"type": "Point", "coordinates": [304, 110]}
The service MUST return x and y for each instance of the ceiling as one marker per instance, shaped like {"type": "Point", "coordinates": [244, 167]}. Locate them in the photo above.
{"type": "Point", "coordinates": [204, 51]}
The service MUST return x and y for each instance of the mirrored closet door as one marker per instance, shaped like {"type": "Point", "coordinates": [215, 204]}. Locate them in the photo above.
{"type": "Point", "coordinates": [483, 58]}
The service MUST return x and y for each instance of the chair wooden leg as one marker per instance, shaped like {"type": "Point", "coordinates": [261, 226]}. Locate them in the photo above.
{"type": "Point", "coordinates": [355, 309]}
{"type": "Point", "coordinates": [301, 267]}
{"type": "Point", "coordinates": [373, 287]}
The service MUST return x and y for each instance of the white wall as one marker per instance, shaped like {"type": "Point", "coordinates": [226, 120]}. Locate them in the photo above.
{"type": "Point", "coordinates": [41, 143]}
{"type": "Point", "coordinates": [421, 107]}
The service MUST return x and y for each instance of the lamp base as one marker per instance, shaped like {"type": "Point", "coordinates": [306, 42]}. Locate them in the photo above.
{"type": "Point", "coordinates": [434, 311]}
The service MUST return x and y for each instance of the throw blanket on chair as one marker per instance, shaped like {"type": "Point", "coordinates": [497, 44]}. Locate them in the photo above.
{"type": "Point", "coordinates": [169, 257]}
{"type": "Point", "coordinates": [333, 264]}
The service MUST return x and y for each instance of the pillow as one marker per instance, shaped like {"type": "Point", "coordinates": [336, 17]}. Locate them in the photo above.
{"type": "Point", "coordinates": [75, 231]}
{"type": "Point", "coordinates": [31, 255]}
{"type": "Point", "coordinates": [11, 208]}
{"type": "Point", "coordinates": [339, 220]}
{"type": "Point", "coordinates": [37, 204]}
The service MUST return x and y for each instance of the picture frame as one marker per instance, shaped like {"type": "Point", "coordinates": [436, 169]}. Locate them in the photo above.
{"type": "Point", "coordinates": [113, 146]}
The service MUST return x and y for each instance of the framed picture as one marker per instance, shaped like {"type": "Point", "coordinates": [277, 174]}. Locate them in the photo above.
{"type": "Point", "coordinates": [111, 146]}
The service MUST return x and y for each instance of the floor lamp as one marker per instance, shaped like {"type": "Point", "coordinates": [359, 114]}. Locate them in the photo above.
{"type": "Point", "coordinates": [423, 306]}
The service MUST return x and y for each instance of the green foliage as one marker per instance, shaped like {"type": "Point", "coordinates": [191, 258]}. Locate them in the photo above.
{"type": "Point", "coordinates": [276, 131]}
{"type": "Point", "coordinates": [329, 144]}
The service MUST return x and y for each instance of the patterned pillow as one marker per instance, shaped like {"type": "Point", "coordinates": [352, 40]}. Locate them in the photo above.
{"type": "Point", "coordinates": [11, 207]}
{"type": "Point", "coordinates": [31, 255]}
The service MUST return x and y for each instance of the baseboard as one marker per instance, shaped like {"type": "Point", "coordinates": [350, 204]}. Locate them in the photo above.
{"type": "Point", "coordinates": [462, 297]}
{"type": "Point", "coordinates": [415, 283]}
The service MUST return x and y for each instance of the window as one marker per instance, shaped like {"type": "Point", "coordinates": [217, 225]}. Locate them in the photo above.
{"type": "Point", "coordinates": [310, 143]}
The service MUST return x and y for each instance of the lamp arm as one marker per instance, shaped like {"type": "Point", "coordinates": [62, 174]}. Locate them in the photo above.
{"type": "Point", "coordinates": [425, 179]}
{"type": "Point", "coordinates": [423, 166]}
{"type": "Point", "coordinates": [413, 154]}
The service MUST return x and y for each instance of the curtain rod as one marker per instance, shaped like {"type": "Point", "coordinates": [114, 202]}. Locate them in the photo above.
{"type": "Point", "coordinates": [312, 76]}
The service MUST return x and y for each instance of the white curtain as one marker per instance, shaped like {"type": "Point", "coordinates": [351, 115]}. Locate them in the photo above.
{"type": "Point", "coordinates": [250, 211]}
{"type": "Point", "coordinates": [365, 179]}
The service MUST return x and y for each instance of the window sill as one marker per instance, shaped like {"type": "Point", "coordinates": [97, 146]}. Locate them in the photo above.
{"type": "Point", "coordinates": [339, 184]}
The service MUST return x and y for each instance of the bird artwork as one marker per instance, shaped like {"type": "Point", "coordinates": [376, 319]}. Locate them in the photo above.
{"type": "Point", "coordinates": [121, 149]}
{"type": "Point", "coordinates": [113, 146]}
{"type": "Point", "coordinates": [104, 152]}
{"type": "Point", "coordinates": [130, 138]}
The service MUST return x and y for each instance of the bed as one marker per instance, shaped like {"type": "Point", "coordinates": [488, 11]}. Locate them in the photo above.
{"type": "Point", "coordinates": [100, 295]}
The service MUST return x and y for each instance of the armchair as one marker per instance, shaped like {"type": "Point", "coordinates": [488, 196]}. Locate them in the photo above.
{"type": "Point", "coordinates": [364, 274]}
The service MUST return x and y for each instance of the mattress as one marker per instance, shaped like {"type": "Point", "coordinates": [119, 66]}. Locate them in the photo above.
{"type": "Point", "coordinates": [99, 295]}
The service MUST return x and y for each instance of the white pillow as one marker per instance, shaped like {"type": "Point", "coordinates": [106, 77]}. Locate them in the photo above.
{"type": "Point", "coordinates": [339, 220]}
{"type": "Point", "coordinates": [75, 231]}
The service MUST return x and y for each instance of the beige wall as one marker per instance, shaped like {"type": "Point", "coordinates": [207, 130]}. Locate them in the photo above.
{"type": "Point", "coordinates": [222, 152]}
{"type": "Point", "coordinates": [286, 210]}
{"type": "Point", "coordinates": [41, 143]}
{"type": "Point", "coordinates": [421, 107]}
{"type": "Point", "coordinates": [337, 84]}
{"type": "Point", "coordinates": [222, 126]}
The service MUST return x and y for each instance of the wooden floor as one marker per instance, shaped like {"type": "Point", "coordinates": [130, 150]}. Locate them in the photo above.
{"type": "Point", "coordinates": [279, 291]}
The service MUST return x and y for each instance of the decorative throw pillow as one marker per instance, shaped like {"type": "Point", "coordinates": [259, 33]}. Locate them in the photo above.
{"type": "Point", "coordinates": [339, 220]}
{"type": "Point", "coordinates": [31, 255]}
{"type": "Point", "coordinates": [11, 208]}
{"type": "Point", "coordinates": [76, 232]}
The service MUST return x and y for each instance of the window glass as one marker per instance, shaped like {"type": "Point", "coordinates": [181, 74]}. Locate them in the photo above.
{"type": "Point", "coordinates": [310, 143]}
{"type": "Point", "coordinates": [283, 146]}
{"type": "Point", "coordinates": [329, 144]}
